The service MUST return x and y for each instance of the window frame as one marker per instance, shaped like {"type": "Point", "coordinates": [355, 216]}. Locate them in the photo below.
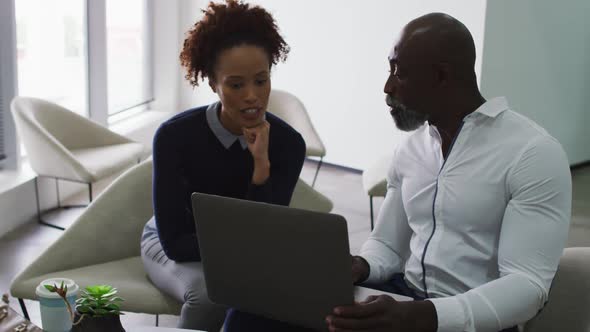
{"type": "Point", "coordinates": [8, 83]}
{"type": "Point", "coordinates": [148, 86]}
{"type": "Point", "coordinates": [95, 66]}
{"type": "Point", "coordinates": [98, 62]}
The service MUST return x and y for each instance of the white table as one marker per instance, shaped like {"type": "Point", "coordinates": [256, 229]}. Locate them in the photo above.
{"type": "Point", "coordinates": [360, 293]}
{"type": "Point", "coordinates": [156, 329]}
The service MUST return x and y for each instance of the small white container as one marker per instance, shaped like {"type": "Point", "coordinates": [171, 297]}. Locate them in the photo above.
{"type": "Point", "coordinates": [54, 314]}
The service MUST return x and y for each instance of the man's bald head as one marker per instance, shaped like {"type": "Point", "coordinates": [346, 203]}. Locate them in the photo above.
{"type": "Point", "coordinates": [431, 71]}
{"type": "Point", "coordinates": [439, 38]}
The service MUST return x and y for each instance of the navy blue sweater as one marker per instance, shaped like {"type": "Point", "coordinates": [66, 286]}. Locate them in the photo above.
{"type": "Point", "coordinates": [188, 158]}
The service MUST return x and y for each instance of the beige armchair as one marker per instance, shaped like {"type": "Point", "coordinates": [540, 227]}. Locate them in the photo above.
{"type": "Point", "coordinates": [375, 181]}
{"type": "Point", "coordinates": [569, 298]}
{"type": "Point", "coordinates": [305, 197]}
{"type": "Point", "coordinates": [103, 244]}
{"type": "Point", "coordinates": [63, 145]}
{"type": "Point", "coordinates": [102, 247]}
{"type": "Point", "coordinates": [291, 110]}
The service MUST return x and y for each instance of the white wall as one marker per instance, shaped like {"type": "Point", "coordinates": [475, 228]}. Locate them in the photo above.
{"type": "Point", "coordinates": [17, 198]}
{"type": "Point", "coordinates": [166, 47]}
{"type": "Point", "coordinates": [537, 53]}
{"type": "Point", "coordinates": [190, 11]}
{"type": "Point", "coordinates": [338, 65]}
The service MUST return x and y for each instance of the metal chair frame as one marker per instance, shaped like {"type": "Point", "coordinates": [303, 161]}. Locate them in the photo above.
{"type": "Point", "coordinates": [371, 208]}
{"type": "Point", "coordinates": [317, 171]}
{"type": "Point", "coordinates": [59, 206]}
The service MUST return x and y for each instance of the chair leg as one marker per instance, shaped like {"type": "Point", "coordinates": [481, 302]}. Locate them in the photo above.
{"type": "Point", "coordinates": [57, 193]}
{"type": "Point", "coordinates": [371, 205]}
{"type": "Point", "coordinates": [59, 206]}
{"type": "Point", "coordinates": [24, 308]}
{"type": "Point", "coordinates": [37, 198]}
{"type": "Point", "coordinates": [317, 171]}
{"type": "Point", "coordinates": [39, 218]}
{"type": "Point", "coordinates": [157, 320]}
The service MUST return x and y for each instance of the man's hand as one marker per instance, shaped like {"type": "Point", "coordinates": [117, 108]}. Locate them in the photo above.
{"type": "Point", "coordinates": [360, 269]}
{"type": "Point", "coordinates": [383, 313]}
{"type": "Point", "coordinates": [257, 139]}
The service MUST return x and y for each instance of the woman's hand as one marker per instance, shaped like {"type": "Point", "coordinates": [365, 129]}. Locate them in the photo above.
{"type": "Point", "coordinates": [257, 139]}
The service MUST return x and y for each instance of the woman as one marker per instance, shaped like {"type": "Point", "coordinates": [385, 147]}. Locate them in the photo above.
{"type": "Point", "coordinates": [231, 148]}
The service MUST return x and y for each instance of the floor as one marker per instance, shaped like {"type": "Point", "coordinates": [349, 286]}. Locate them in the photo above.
{"type": "Point", "coordinates": [342, 186]}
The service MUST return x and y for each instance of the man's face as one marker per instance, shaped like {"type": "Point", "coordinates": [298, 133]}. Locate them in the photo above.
{"type": "Point", "coordinates": [404, 90]}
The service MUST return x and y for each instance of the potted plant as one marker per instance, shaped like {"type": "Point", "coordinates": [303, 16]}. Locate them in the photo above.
{"type": "Point", "coordinates": [97, 309]}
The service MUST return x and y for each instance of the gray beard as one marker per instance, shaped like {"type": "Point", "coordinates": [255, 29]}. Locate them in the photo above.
{"type": "Point", "coordinates": [405, 119]}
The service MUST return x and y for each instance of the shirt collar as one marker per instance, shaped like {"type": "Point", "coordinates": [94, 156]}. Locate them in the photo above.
{"type": "Point", "coordinates": [491, 108]}
{"type": "Point", "coordinates": [224, 136]}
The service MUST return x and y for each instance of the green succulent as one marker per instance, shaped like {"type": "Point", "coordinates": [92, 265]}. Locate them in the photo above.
{"type": "Point", "coordinates": [99, 301]}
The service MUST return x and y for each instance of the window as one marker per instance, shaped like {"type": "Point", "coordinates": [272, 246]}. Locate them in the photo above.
{"type": "Point", "coordinates": [53, 62]}
{"type": "Point", "coordinates": [90, 56]}
{"type": "Point", "coordinates": [127, 54]}
{"type": "Point", "coordinates": [51, 56]}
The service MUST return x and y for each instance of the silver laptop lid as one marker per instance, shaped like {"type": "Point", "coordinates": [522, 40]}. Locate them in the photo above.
{"type": "Point", "coordinates": [283, 263]}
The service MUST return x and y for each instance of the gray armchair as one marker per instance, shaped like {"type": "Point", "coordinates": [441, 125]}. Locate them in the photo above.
{"type": "Point", "coordinates": [102, 247]}
{"type": "Point", "coordinates": [375, 181]}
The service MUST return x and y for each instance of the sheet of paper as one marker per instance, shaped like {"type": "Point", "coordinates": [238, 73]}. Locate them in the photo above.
{"type": "Point", "coordinates": [361, 293]}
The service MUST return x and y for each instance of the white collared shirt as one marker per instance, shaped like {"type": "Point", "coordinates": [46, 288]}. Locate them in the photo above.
{"type": "Point", "coordinates": [485, 228]}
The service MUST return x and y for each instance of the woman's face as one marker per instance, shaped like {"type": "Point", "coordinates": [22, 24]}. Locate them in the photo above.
{"type": "Point", "coordinates": [242, 82]}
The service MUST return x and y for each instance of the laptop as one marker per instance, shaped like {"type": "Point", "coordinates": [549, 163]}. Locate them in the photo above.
{"type": "Point", "coordinates": [282, 263]}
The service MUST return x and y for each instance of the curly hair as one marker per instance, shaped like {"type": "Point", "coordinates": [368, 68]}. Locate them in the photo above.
{"type": "Point", "coordinates": [224, 26]}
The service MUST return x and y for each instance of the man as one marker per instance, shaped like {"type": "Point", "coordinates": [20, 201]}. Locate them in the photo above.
{"type": "Point", "coordinates": [478, 202]}
{"type": "Point", "coordinates": [477, 208]}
